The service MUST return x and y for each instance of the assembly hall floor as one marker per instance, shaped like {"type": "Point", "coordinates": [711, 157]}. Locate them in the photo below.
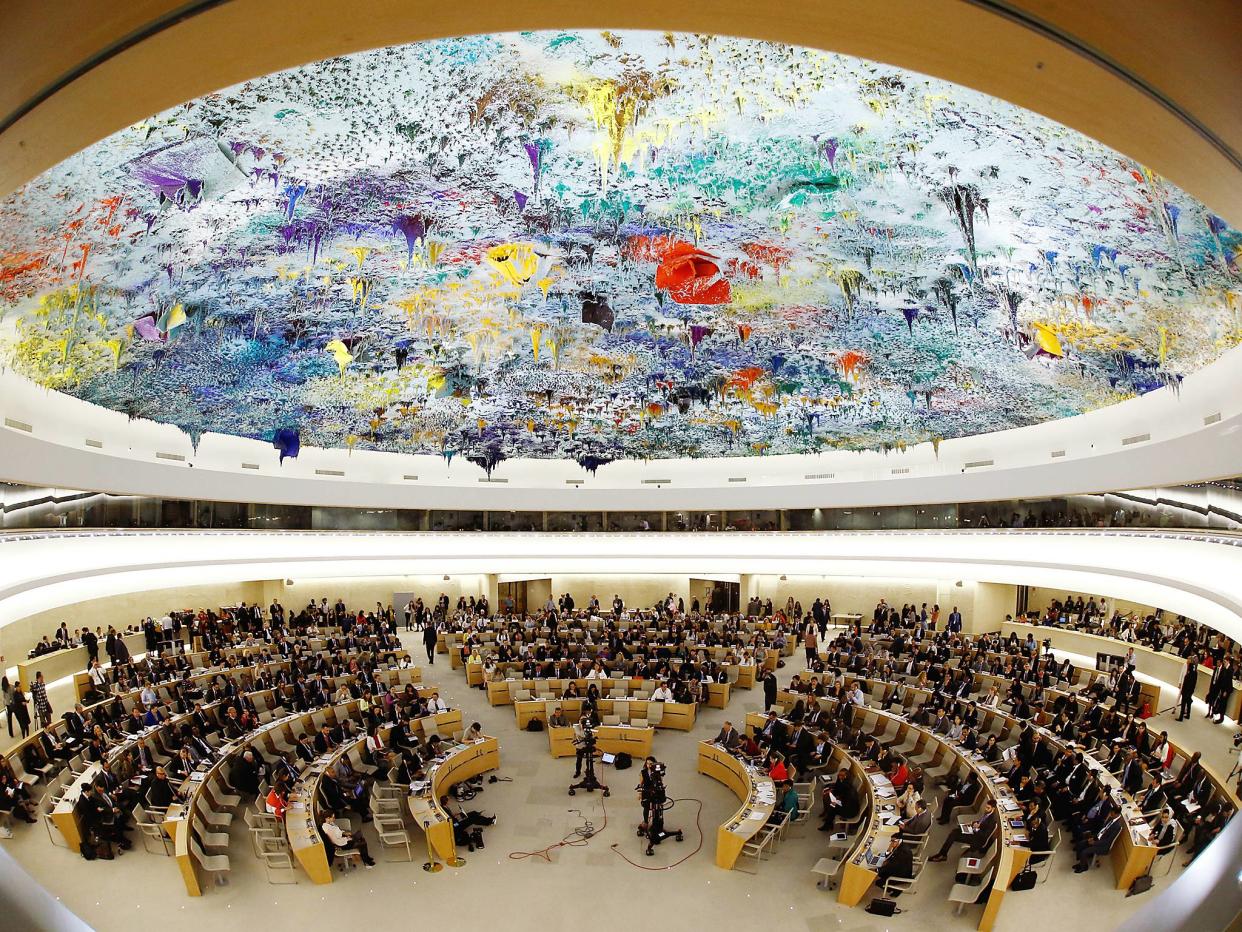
{"type": "Point", "coordinates": [588, 886]}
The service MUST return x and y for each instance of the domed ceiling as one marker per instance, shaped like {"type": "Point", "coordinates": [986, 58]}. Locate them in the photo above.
{"type": "Point", "coordinates": [601, 246]}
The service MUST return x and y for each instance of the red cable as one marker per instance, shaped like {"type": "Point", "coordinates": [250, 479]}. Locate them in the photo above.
{"type": "Point", "coordinates": [574, 839]}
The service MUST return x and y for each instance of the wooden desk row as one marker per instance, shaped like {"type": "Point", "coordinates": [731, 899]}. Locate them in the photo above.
{"type": "Point", "coordinates": [1130, 857]}
{"type": "Point", "coordinates": [64, 815]}
{"type": "Point", "coordinates": [180, 821]}
{"type": "Point", "coordinates": [875, 791]}
{"type": "Point", "coordinates": [611, 739]}
{"type": "Point", "coordinates": [754, 789]}
{"type": "Point", "coordinates": [504, 692]}
{"type": "Point", "coordinates": [1160, 665]}
{"type": "Point", "coordinates": [676, 715]}
{"type": "Point", "coordinates": [304, 817]}
{"type": "Point", "coordinates": [1012, 856]}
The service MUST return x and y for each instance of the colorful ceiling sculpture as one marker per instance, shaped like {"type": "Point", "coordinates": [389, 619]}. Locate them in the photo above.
{"type": "Point", "coordinates": [601, 246]}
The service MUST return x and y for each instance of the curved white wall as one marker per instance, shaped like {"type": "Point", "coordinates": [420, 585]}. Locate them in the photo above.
{"type": "Point", "coordinates": [1185, 574]}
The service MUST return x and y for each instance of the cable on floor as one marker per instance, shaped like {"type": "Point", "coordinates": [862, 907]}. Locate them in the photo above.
{"type": "Point", "coordinates": [668, 867]}
{"type": "Point", "coordinates": [578, 838]}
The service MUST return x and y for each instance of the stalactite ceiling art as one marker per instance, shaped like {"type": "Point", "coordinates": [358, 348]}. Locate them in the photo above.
{"type": "Point", "coordinates": [600, 246]}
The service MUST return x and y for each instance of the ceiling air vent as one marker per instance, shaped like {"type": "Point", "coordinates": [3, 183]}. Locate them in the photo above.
{"type": "Point", "coordinates": [329, 472]}
{"type": "Point", "coordinates": [737, 478]}
{"type": "Point", "coordinates": [979, 463]}
{"type": "Point", "coordinates": [573, 482]}
{"type": "Point", "coordinates": [657, 481]}
{"type": "Point", "coordinates": [97, 444]}
{"type": "Point", "coordinates": [820, 475]}
{"type": "Point", "coordinates": [1137, 438]}
{"type": "Point", "coordinates": [175, 457]}
{"type": "Point", "coordinates": [1211, 419]}
{"type": "Point", "coordinates": [1057, 454]}
{"type": "Point", "coordinates": [495, 480]}
{"type": "Point", "coordinates": [410, 478]}
{"type": "Point", "coordinates": [18, 425]}
{"type": "Point", "coordinates": [901, 471]}
{"type": "Point", "coordinates": [250, 465]}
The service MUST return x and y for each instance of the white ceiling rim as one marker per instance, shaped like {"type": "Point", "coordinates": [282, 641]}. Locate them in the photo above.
{"type": "Point", "coordinates": [1159, 439]}
{"type": "Point", "coordinates": [1187, 576]}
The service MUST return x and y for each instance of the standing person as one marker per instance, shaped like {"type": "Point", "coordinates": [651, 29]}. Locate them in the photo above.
{"type": "Point", "coordinates": [811, 643]}
{"type": "Point", "coordinates": [1190, 679]}
{"type": "Point", "coordinates": [409, 615]}
{"type": "Point", "coordinates": [8, 702]}
{"type": "Point", "coordinates": [20, 711]}
{"type": "Point", "coordinates": [955, 621]}
{"type": "Point", "coordinates": [91, 642]}
{"type": "Point", "coordinates": [769, 689]}
{"type": "Point", "coordinates": [1222, 689]}
{"type": "Point", "coordinates": [429, 641]}
{"type": "Point", "coordinates": [38, 695]}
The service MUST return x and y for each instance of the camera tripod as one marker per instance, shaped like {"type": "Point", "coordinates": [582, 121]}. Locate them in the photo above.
{"type": "Point", "coordinates": [589, 781]}
{"type": "Point", "coordinates": [653, 828]}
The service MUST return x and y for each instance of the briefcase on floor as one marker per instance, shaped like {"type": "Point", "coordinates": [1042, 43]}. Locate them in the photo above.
{"type": "Point", "coordinates": [1023, 880]}
{"type": "Point", "coordinates": [882, 906]}
{"type": "Point", "coordinates": [1140, 885]}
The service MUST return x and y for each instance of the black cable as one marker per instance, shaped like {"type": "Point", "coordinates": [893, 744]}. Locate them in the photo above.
{"type": "Point", "coordinates": [697, 827]}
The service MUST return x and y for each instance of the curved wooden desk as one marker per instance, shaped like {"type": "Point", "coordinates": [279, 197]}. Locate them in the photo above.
{"type": "Point", "coordinates": [462, 763]}
{"type": "Point", "coordinates": [179, 821]}
{"type": "Point", "coordinates": [741, 827]}
{"type": "Point", "coordinates": [857, 875]}
{"type": "Point", "coordinates": [611, 739]}
{"type": "Point", "coordinates": [677, 715]}
{"type": "Point", "coordinates": [301, 818]}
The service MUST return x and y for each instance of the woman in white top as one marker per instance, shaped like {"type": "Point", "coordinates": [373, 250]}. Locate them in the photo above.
{"type": "Point", "coordinates": [992, 698]}
{"type": "Point", "coordinates": [597, 672]}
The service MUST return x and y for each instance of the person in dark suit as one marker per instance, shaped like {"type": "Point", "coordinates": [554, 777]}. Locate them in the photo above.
{"type": "Point", "coordinates": [917, 824]}
{"type": "Point", "coordinates": [899, 862]}
{"type": "Point", "coordinates": [1186, 694]}
{"type": "Point", "coordinates": [1134, 775]}
{"type": "Point", "coordinates": [430, 635]}
{"type": "Point", "coordinates": [161, 793]}
{"type": "Point", "coordinates": [769, 689]}
{"type": "Point", "coordinates": [75, 724]}
{"type": "Point", "coordinates": [773, 732]}
{"type": "Point", "coordinates": [729, 738]}
{"type": "Point", "coordinates": [798, 747]}
{"type": "Point", "coordinates": [966, 793]}
{"type": "Point", "coordinates": [1220, 690]}
{"type": "Point", "coordinates": [840, 800]}
{"type": "Point", "coordinates": [1099, 843]}
{"type": "Point", "coordinates": [975, 836]}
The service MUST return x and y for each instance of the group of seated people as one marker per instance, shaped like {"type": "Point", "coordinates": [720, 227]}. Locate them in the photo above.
{"type": "Point", "coordinates": [1052, 780]}
{"type": "Point", "coordinates": [169, 730]}
{"type": "Point", "coordinates": [613, 636]}
{"type": "Point", "coordinates": [1185, 636]}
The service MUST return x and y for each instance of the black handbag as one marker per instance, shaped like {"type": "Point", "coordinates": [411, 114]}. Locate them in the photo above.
{"type": "Point", "coordinates": [1023, 880]}
{"type": "Point", "coordinates": [881, 906]}
{"type": "Point", "coordinates": [1140, 885]}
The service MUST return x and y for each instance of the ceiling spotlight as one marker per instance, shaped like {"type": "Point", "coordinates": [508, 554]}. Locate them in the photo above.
{"type": "Point", "coordinates": [784, 578]}
{"type": "Point", "coordinates": [446, 578]}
